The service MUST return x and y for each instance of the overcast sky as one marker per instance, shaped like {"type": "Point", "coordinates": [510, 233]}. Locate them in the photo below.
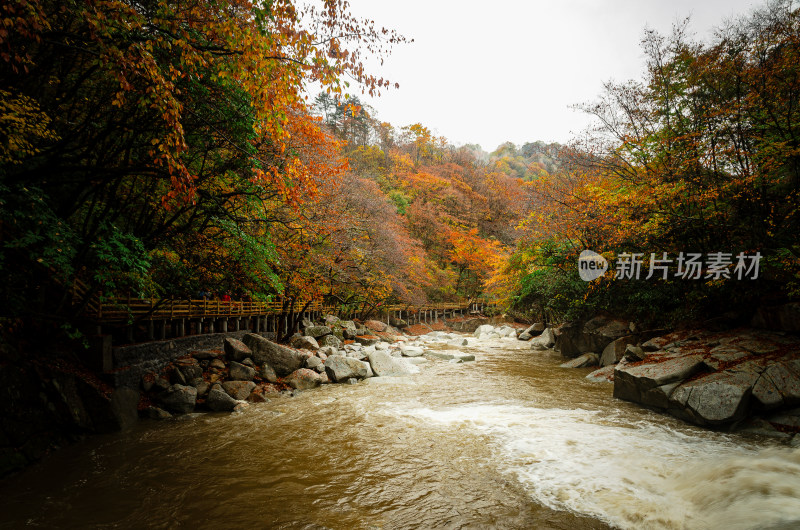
{"type": "Point", "coordinates": [501, 70]}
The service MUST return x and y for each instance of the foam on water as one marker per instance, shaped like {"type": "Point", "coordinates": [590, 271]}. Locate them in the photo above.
{"type": "Point", "coordinates": [634, 475]}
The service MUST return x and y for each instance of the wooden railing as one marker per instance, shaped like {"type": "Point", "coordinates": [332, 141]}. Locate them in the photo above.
{"type": "Point", "coordinates": [135, 309]}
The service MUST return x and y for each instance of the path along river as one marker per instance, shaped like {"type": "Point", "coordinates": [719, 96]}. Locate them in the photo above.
{"type": "Point", "coordinates": [508, 441]}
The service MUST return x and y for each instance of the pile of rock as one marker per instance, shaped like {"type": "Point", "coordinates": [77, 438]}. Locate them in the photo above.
{"type": "Point", "coordinates": [249, 370]}
{"type": "Point", "coordinates": [716, 378]}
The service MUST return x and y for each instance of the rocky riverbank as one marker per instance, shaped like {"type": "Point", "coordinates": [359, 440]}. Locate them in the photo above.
{"type": "Point", "coordinates": [744, 378]}
{"type": "Point", "coordinates": [255, 369]}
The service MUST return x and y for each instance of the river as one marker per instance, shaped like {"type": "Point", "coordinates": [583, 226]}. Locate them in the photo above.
{"type": "Point", "coordinates": [508, 441]}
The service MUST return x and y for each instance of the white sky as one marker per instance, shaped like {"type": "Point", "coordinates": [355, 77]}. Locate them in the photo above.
{"type": "Point", "coordinates": [502, 70]}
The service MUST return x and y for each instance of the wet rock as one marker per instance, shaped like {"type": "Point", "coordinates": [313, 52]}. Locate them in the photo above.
{"type": "Point", "coordinates": [179, 398]}
{"type": "Point", "coordinates": [761, 427]}
{"type": "Point", "coordinates": [282, 359]}
{"type": "Point", "coordinates": [532, 331]}
{"type": "Point", "coordinates": [718, 398]}
{"type": "Point", "coordinates": [416, 360]}
{"type": "Point", "coordinates": [795, 441]}
{"type": "Point", "coordinates": [632, 382]}
{"type": "Point", "coordinates": [219, 400]}
{"type": "Point", "coordinates": [257, 397]}
{"type": "Point", "coordinates": [240, 372]}
{"type": "Point", "coordinates": [602, 375]}
{"type": "Point", "coordinates": [545, 341]}
{"type": "Point", "coordinates": [236, 350]}
{"type": "Point", "coordinates": [157, 413]}
{"type": "Point", "coordinates": [585, 360]}
{"type": "Point", "coordinates": [304, 343]}
{"type": "Point", "coordinates": [463, 357]}
{"type": "Point", "coordinates": [241, 406]}
{"type": "Point", "coordinates": [443, 356]}
{"type": "Point", "coordinates": [340, 368]}
{"type": "Point", "coordinates": [303, 379]}
{"type": "Point", "coordinates": [317, 332]}
{"type": "Point", "coordinates": [238, 389]}
{"type": "Point", "coordinates": [125, 406]}
{"type": "Point", "coordinates": [370, 373]}
{"type": "Point", "coordinates": [384, 365]}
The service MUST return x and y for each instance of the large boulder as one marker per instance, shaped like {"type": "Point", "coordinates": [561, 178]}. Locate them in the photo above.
{"type": "Point", "coordinates": [240, 372]}
{"type": "Point", "coordinates": [303, 379]}
{"type": "Point", "coordinates": [340, 368]}
{"type": "Point", "coordinates": [367, 340]}
{"type": "Point", "coordinates": [220, 401]}
{"type": "Point", "coordinates": [718, 398]}
{"type": "Point", "coordinates": [384, 365]}
{"type": "Point", "coordinates": [633, 382]}
{"type": "Point", "coordinates": [317, 331]}
{"type": "Point", "coordinates": [282, 359]}
{"type": "Point", "coordinates": [545, 341]}
{"type": "Point", "coordinates": [238, 389]}
{"type": "Point", "coordinates": [179, 398]}
{"type": "Point", "coordinates": [316, 364]}
{"type": "Point", "coordinates": [484, 328]}
{"type": "Point", "coordinates": [236, 350]}
{"type": "Point", "coordinates": [575, 338]}
{"type": "Point", "coordinates": [398, 322]}
{"type": "Point", "coordinates": [304, 342]}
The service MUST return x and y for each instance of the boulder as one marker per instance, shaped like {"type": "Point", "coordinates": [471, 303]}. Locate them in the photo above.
{"type": "Point", "coordinates": [778, 385]}
{"type": "Point", "coordinates": [220, 401]}
{"type": "Point", "coordinates": [330, 340]}
{"type": "Point", "coordinates": [398, 322]}
{"type": "Point", "coordinates": [634, 353]}
{"type": "Point", "coordinates": [469, 325]}
{"type": "Point", "coordinates": [602, 375]}
{"type": "Point", "coordinates": [306, 342]}
{"type": "Point", "coordinates": [326, 351]}
{"type": "Point", "coordinates": [532, 331]}
{"type": "Point", "coordinates": [585, 360]}
{"type": "Point", "coordinates": [316, 364]}
{"type": "Point", "coordinates": [632, 382]}
{"type": "Point", "coordinates": [545, 341]}
{"type": "Point", "coordinates": [506, 332]}
{"type": "Point", "coordinates": [240, 372]}
{"type": "Point", "coordinates": [384, 365]}
{"type": "Point", "coordinates": [303, 379]}
{"type": "Point", "coordinates": [345, 329]}
{"type": "Point", "coordinates": [483, 329]}
{"type": "Point", "coordinates": [156, 413]}
{"type": "Point", "coordinates": [593, 336]}
{"type": "Point", "coordinates": [367, 340]}
{"type": "Point", "coordinates": [375, 325]}
{"type": "Point", "coordinates": [330, 320]}
{"type": "Point", "coordinates": [201, 386]}
{"type": "Point", "coordinates": [125, 406]}
{"type": "Point", "coordinates": [715, 399]}
{"type": "Point", "coordinates": [179, 398]}
{"type": "Point", "coordinates": [612, 354]}
{"type": "Point", "coordinates": [282, 359]}
{"type": "Point", "coordinates": [217, 364]}
{"type": "Point", "coordinates": [340, 368]}
{"type": "Point", "coordinates": [236, 350]}
{"type": "Point", "coordinates": [370, 373]}
{"type": "Point", "coordinates": [411, 351]}
{"type": "Point", "coordinates": [463, 357]}
{"type": "Point", "coordinates": [268, 374]}
{"type": "Point", "coordinates": [317, 332]}
{"type": "Point", "coordinates": [238, 389]}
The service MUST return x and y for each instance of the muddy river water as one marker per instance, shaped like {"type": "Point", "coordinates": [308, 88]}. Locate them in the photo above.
{"type": "Point", "coordinates": [508, 441]}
